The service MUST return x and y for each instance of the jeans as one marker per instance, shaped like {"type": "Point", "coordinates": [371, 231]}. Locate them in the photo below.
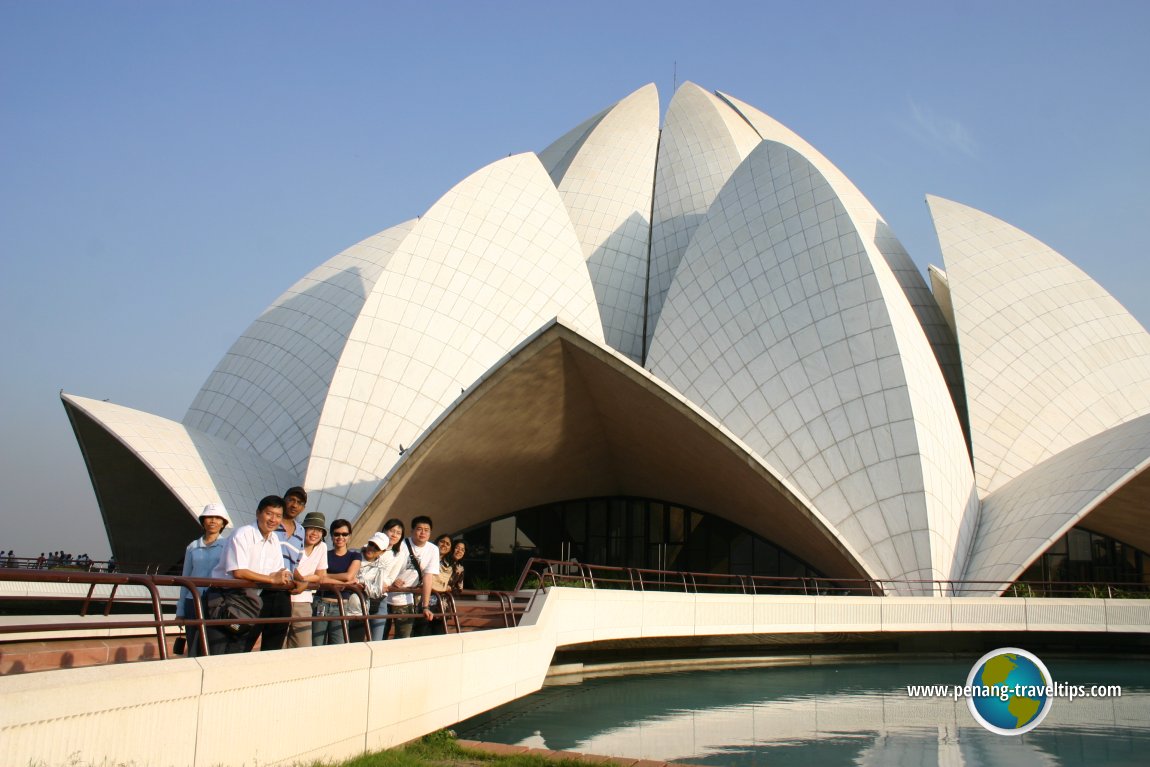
{"type": "Point", "coordinates": [326, 632]}
{"type": "Point", "coordinates": [378, 627]}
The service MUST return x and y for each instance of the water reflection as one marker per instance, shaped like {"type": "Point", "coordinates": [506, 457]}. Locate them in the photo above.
{"type": "Point", "coordinates": [843, 714]}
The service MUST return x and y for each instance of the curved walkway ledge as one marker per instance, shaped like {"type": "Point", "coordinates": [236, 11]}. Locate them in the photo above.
{"type": "Point", "coordinates": [338, 702]}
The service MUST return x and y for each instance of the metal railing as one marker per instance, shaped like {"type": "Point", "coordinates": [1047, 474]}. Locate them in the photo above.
{"type": "Point", "coordinates": [78, 565]}
{"type": "Point", "coordinates": [107, 590]}
{"type": "Point", "coordinates": [480, 609]}
{"type": "Point", "coordinates": [551, 572]}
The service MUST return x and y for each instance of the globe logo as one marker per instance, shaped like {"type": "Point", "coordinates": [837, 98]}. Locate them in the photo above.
{"type": "Point", "coordinates": [1010, 691]}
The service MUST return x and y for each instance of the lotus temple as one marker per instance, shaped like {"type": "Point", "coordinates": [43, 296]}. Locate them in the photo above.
{"type": "Point", "coordinates": [690, 346]}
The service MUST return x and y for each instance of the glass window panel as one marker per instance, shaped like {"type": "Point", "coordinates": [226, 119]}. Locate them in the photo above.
{"type": "Point", "coordinates": [1034, 572]}
{"type": "Point", "coordinates": [655, 523]}
{"type": "Point", "coordinates": [789, 567]}
{"type": "Point", "coordinates": [742, 554]}
{"type": "Point", "coordinates": [638, 553]}
{"type": "Point", "coordinates": [575, 522]}
{"type": "Point", "coordinates": [596, 551]}
{"type": "Point", "coordinates": [719, 546]}
{"type": "Point", "coordinates": [631, 532]}
{"type": "Point", "coordinates": [1079, 545]}
{"type": "Point", "coordinates": [693, 522]}
{"type": "Point", "coordinates": [638, 526]}
{"type": "Point", "coordinates": [617, 525]}
{"type": "Point", "coordinates": [676, 519]}
{"type": "Point", "coordinates": [597, 514]}
{"type": "Point", "coordinates": [1100, 549]}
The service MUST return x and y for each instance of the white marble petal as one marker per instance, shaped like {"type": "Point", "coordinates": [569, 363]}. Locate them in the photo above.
{"type": "Point", "coordinates": [486, 266]}
{"type": "Point", "coordinates": [1023, 517]}
{"type": "Point", "coordinates": [266, 393]}
{"type": "Point", "coordinates": [198, 468]}
{"type": "Point", "coordinates": [702, 143]}
{"type": "Point", "coordinates": [878, 239]}
{"type": "Point", "coordinates": [784, 327]}
{"type": "Point", "coordinates": [606, 184]}
{"type": "Point", "coordinates": [1049, 357]}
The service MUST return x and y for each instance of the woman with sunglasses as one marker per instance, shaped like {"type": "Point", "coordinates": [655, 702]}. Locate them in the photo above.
{"type": "Point", "coordinates": [342, 567]}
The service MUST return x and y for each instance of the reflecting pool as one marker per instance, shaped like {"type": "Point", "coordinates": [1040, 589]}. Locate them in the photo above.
{"type": "Point", "coordinates": [853, 713]}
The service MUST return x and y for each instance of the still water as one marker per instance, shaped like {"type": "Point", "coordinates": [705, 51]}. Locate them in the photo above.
{"type": "Point", "coordinates": [856, 713]}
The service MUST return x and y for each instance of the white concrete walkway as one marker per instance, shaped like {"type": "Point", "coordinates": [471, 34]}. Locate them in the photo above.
{"type": "Point", "coordinates": [336, 702]}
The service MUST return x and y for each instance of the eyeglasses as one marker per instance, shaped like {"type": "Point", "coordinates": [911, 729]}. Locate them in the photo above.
{"type": "Point", "coordinates": [340, 535]}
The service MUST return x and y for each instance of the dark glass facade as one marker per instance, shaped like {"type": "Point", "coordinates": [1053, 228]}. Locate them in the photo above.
{"type": "Point", "coordinates": [624, 532]}
{"type": "Point", "coordinates": [1085, 556]}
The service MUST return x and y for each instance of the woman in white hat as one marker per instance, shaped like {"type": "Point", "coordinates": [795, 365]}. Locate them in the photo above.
{"type": "Point", "coordinates": [381, 568]}
{"type": "Point", "coordinates": [200, 558]}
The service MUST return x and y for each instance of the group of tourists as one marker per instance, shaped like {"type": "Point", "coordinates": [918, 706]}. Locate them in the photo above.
{"type": "Point", "coordinates": [285, 550]}
{"type": "Point", "coordinates": [52, 559]}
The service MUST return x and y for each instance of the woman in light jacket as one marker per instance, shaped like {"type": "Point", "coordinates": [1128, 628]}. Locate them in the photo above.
{"type": "Point", "coordinates": [200, 558]}
{"type": "Point", "coordinates": [380, 571]}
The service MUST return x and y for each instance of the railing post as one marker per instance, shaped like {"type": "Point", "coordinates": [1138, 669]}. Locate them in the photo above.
{"type": "Point", "coordinates": [158, 613]}
{"type": "Point", "coordinates": [450, 598]}
{"type": "Point", "coordinates": [87, 601]}
{"type": "Point", "coordinates": [111, 598]}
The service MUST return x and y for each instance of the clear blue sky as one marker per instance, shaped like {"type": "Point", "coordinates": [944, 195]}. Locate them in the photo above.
{"type": "Point", "coordinates": [168, 168]}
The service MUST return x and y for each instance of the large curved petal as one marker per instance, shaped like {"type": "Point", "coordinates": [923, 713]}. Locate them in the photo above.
{"type": "Point", "coordinates": [1049, 357]}
{"type": "Point", "coordinates": [483, 268]}
{"type": "Point", "coordinates": [1102, 482]}
{"type": "Point", "coordinates": [607, 183]}
{"type": "Point", "coordinates": [879, 240]}
{"type": "Point", "coordinates": [784, 327]}
{"type": "Point", "coordinates": [153, 475]}
{"type": "Point", "coordinates": [702, 143]}
{"type": "Point", "coordinates": [267, 392]}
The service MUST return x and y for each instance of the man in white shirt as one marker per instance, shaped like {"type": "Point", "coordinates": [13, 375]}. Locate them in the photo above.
{"type": "Point", "coordinates": [421, 568]}
{"type": "Point", "coordinates": [253, 553]}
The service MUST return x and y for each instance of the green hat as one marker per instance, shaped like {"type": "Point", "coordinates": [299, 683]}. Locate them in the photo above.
{"type": "Point", "coordinates": [315, 519]}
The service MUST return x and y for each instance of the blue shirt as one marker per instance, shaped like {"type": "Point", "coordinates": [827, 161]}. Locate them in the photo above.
{"type": "Point", "coordinates": [292, 545]}
{"type": "Point", "coordinates": [199, 561]}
